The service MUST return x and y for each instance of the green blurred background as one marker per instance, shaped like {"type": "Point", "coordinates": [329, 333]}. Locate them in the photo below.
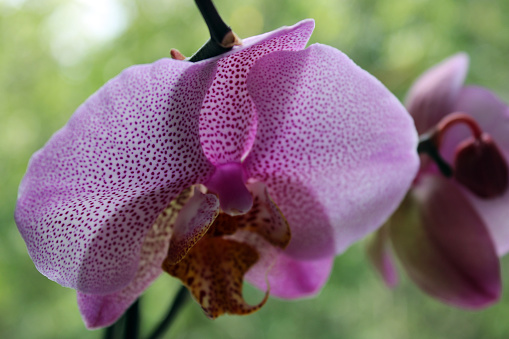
{"type": "Point", "coordinates": [55, 53]}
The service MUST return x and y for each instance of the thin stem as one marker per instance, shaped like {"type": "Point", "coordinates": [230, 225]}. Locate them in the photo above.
{"type": "Point", "coordinates": [217, 27]}
{"type": "Point", "coordinates": [132, 321]}
{"type": "Point", "coordinates": [430, 142]}
{"type": "Point", "coordinates": [109, 332]}
{"type": "Point", "coordinates": [178, 302]}
{"type": "Point", "coordinates": [453, 119]}
{"type": "Point", "coordinates": [427, 144]}
{"type": "Point", "coordinates": [222, 38]}
{"type": "Point", "coordinates": [209, 50]}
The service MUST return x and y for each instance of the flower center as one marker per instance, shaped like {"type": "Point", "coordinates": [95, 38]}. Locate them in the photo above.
{"type": "Point", "coordinates": [229, 183]}
{"type": "Point", "coordinates": [211, 251]}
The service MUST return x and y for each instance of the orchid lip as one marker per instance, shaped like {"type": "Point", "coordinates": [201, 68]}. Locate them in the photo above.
{"type": "Point", "coordinates": [228, 182]}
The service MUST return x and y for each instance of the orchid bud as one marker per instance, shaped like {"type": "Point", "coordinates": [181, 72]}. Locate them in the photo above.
{"type": "Point", "coordinates": [480, 166]}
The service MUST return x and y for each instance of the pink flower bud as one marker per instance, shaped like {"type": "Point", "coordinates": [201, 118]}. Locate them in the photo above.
{"type": "Point", "coordinates": [480, 166]}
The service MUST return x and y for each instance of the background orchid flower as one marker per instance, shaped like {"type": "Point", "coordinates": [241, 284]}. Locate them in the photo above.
{"type": "Point", "coordinates": [447, 235]}
{"type": "Point", "coordinates": [213, 166]}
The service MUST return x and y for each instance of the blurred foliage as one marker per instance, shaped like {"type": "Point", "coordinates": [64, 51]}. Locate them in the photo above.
{"type": "Point", "coordinates": [49, 66]}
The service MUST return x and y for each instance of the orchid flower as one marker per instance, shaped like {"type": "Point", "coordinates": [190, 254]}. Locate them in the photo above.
{"type": "Point", "coordinates": [262, 163]}
{"type": "Point", "coordinates": [449, 232]}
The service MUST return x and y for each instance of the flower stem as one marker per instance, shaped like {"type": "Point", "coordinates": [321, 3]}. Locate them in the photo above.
{"type": "Point", "coordinates": [217, 27]}
{"type": "Point", "coordinates": [128, 326]}
{"type": "Point", "coordinates": [427, 144]}
{"type": "Point", "coordinates": [109, 332]}
{"type": "Point", "coordinates": [178, 302]}
{"type": "Point", "coordinates": [222, 38]}
{"type": "Point", "coordinates": [453, 119]}
{"type": "Point", "coordinates": [132, 321]}
{"type": "Point", "coordinates": [430, 142]}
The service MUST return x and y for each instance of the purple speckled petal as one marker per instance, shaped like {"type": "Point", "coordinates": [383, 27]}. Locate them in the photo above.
{"type": "Point", "coordinates": [380, 253]}
{"type": "Point", "coordinates": [228, 121]}
{"type": "Point", "coordinates": [493, 117]}
{"type": "Point", "coordinates": [92, 193]}
{"type": "Point", "coordinates": [432, 95]}
{"type": "Point", "coordinates": [103, 310]}
{"type": "Point", "coordinates": [445, 247]}
{"type": "Point", "coordinates": [334, 146]}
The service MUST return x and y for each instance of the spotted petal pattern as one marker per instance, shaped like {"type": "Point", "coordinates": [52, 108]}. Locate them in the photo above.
{"type": "Point", "coordinates": [334, 148]}
{"type": "Point", "coordinates": [100, 310]}
{"type": "Point", "coordinates": [228, 120]}
{"type": "Point", "coordinates": [213, 271]}
{"type": "Point", "coordinates": [325, 147]}
{"type": "Point", "coordinates": [90, 196]}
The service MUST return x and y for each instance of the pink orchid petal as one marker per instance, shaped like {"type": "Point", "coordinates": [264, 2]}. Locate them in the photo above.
{"type": "Point", "coordinates": [493, 117]}
{"type": "Point", "coordinates": [192, 223]}
{"type": "Point", "coordinates": [380, 253]}
{"type": "Point", "coordinates": [228, 121]}
{"type": "Point", "coordinates": [495, 214]}
{"type": "Point", "coordinates": [334, 146]}
{"type": "Point", "coordinates": [103, 310]}
{"type": "Point", "coordinates": [448, 251]}
{"type": "Point", "coordinates": [432, 95]}
{"type": "Point", "coordinates": [92, 193]}
{"type": "Point", "coordinates": [288, 278]}
{"type": "Point", "coordinates": [291, 278]}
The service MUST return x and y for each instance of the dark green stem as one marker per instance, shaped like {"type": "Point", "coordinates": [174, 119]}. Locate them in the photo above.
{"type": "Point", "coordinates": [109, 332]}
{"type": "Point", "coordinates": [222, 38]}
{"type": "Point", "coordinates": [128, 326]}
{"type": "Point", "coordinates": [178, 302]}
{"type": "Point", "coordinates": [217, 27]}
{"type": "Point", "coordinates": [132, 321]}
{"type": "Point", "coordinates": [427, 145]}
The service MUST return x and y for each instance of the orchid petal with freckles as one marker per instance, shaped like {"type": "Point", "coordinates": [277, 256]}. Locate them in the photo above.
{"type": "Point", "coordinates": [327, 155]}
{"type": "Point", "coordinates": [298, 153]}
{"type": "Point", "coordinates": [100, 310]}
{"type": "Point", "coordinates": [90, 196]}
{"type": "Point", "coordinates": [228, 120]}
